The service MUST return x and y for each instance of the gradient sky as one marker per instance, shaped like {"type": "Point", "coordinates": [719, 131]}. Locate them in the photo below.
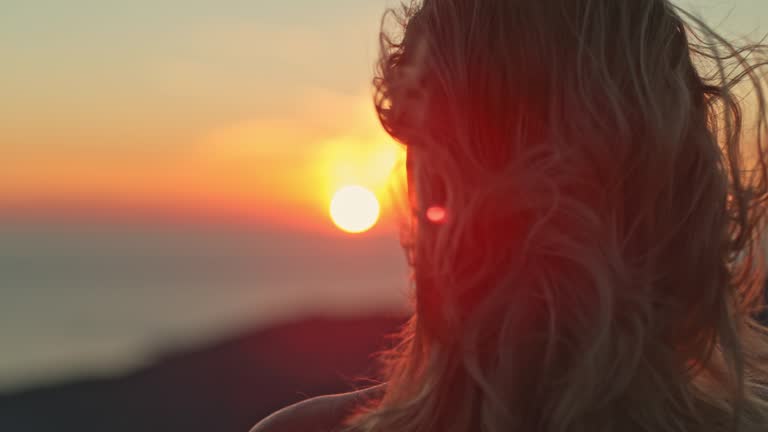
{"type": "Point", "coordinates": [259, 106]}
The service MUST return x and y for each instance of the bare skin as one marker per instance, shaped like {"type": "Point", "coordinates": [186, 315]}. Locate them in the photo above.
{"type": "Point", "coordinates": [317, 414]}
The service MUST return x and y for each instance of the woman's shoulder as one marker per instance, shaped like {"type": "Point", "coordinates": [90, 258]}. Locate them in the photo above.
{"type": "Point", "coordinates": [317, 414]}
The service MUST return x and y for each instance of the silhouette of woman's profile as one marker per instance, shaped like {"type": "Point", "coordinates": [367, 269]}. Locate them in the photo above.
{"type": "Point", "coordinates": [598, 266]}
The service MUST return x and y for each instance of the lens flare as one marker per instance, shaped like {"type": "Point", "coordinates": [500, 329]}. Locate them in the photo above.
{"type": "Point", "coordinates": [436, 214]}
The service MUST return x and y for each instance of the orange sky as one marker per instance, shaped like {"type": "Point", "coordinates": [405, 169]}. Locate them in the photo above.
{"type": "Point", "coordinates": [264, 110]}
{"type": "Point", "coordinates": [284, 170]}
{"type": "Point", "coordinates": [256, 107]}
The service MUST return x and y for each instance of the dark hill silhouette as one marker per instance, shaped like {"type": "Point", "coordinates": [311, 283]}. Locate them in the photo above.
{"type": "Point", "coordinates": [225, 387]}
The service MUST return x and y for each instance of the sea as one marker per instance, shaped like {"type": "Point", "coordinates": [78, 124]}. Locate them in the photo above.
{"type": "Point", "coordinates": [100, 297]}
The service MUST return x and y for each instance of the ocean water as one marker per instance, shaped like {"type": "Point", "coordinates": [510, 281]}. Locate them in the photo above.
{"type": "Point", "coordinates": [98, 298]}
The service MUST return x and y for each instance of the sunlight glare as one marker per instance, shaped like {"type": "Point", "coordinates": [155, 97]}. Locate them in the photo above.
{"type": "Point", "coordinates": [354, 209]}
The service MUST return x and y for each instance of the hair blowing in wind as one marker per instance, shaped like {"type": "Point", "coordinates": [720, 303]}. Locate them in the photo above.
{"type": "Point", "coordinates": [602, 168]}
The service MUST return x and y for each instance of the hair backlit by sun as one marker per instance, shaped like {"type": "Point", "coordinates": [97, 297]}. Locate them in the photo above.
{"type": "Point", "coordinates": [354, 209]}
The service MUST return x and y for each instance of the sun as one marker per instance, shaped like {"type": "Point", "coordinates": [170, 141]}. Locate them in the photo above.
{"type": "Point", "coordinates": [354, 209]}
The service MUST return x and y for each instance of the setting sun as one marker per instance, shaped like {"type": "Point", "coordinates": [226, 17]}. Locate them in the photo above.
{"type": "Point", "coordinates": [354, 209]}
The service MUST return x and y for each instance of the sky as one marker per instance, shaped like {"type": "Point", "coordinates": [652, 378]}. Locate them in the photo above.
{"type": "Point", "coordinates": [255, 107]}
{"type": "Point", "coordinates": [248, 105]}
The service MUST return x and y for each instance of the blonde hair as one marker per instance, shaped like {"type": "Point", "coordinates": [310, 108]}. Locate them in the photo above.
{"type": "Point", "coordinates": [598, 268]}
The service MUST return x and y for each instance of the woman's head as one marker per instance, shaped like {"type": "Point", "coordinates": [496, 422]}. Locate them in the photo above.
{"type": "Point", "coordinates": [596, 266]}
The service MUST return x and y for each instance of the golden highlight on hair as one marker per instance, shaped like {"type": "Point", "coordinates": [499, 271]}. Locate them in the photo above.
{"type": "Point", "coordinates": [599, 267]}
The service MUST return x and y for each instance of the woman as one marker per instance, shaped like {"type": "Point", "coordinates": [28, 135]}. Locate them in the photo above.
{"type": "Point", "coordinates": [598, 266]}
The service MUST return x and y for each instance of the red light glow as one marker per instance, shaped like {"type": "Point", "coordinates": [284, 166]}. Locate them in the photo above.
{"type": "Point", "coordinates": [436, 214]}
